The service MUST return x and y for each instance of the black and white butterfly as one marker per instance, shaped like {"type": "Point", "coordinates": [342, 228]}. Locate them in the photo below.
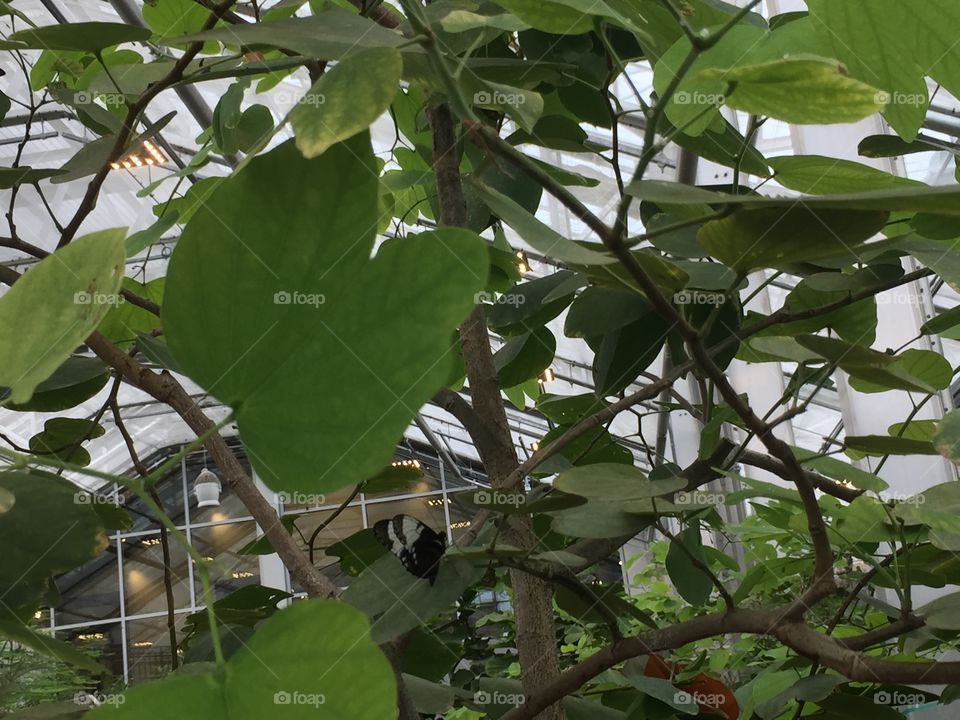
{"type": "Point", "coordinates": [418, 546]}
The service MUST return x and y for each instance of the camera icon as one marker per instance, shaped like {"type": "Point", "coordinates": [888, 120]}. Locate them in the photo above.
{"type": "Point", "coordinates": [882, 97]}
{"type": "Point", "coordinates": [482, 697]}
{"type": "Point", "coordinates": [681, 697]}
{"type": "Point", "coordinates": [82, 298]}
{"type": "Point", "coordinates": [481, 497]}
{"type": "Point", "coordinates": [81, 698]}
{"type": "Point", "coordinates": [482, 98]}
{"type": "Point", "coordinates": [882, 697]}
{"type": "Point", "coordinates": [281, 298]}
{"type": "Point", "coordinates": [682, 498]}
{"type": "Point", "coordinates": [83, 98]}
{"type": "Point", "coordinates": [282, 697]}
{"type": "Point", "coordinates": [682, 98]}
{"type": "Point", "coordinates": [81, 498]}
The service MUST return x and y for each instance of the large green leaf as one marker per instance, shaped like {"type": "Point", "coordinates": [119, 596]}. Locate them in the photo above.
{"type": "Point", "coordinates": [330, 34]}
{"type": "Point", "coordinates": [53, 529]}
{"type": "Point", "coordinates": [347, 99]}
{"type": "Point", "coordinates": [541, 237]}
{"type": "Point", "coordinates": [125, 320]}
{"type": "Point", "coordinates": [947, 438]}
{"type": "Point", "coordinates": [324, 354]}
{"type": "Point", "coordinates": [916, 370]}
{"type": "Point", "coordinates": [615, 482]}
{"type": "Point", "coordinates": [77, 379]}
{"type": "Point", "coordinates": [773, 237]}
{"type": "Point", "coordinates": [524, 357]}
{"type": "Point", "coordinates": [21, 634]}
{"type": "Point", "coordinates": [85, 36]}
{"type": "Point", "coordinates": [54, 307]}
{"type": "Point", "coordinates": [693, 584]}
{"type": "Point", "coordinates": [810, 91]}
{"type": "Point", "coordinates": [63, 438]}
{"type": "Point", "coordinates": [818, 175]}
{"type": "Point", "coordinates": [313, 660]}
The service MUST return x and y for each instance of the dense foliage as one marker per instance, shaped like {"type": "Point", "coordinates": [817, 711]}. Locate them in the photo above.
{"type": "Point", "coordinates": [280, 301]}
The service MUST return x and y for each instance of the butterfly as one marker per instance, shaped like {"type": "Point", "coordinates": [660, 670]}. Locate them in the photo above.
{"type": "Point", "coordinates": [418, 546]}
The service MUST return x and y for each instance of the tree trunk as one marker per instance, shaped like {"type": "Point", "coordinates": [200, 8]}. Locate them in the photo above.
{"type": "Point", "coordinates": [532, 597]}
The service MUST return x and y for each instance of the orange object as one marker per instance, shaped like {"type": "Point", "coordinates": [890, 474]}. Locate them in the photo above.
{"type": "Point", "coordinates": [711, 695]}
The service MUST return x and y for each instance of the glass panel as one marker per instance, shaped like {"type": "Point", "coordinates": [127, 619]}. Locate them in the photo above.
{"type": "Point", "coordinates": [148, 646]}
{"type": "Point", "coordinates": [143, 575]}
{"type": "Point", "coordinates": [91, 591]}
{"type": "Point", "coordinates": [231, 571]}
{"type": "Point", "coordinates": [104, 642]}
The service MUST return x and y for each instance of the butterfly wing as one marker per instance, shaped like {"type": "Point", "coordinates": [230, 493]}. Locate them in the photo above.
{"type": "Point", "coordinates": [418, 547]}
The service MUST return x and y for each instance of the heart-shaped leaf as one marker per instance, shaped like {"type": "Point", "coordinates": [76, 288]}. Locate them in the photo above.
{"type": "Point", "coordinates": [324, 354]}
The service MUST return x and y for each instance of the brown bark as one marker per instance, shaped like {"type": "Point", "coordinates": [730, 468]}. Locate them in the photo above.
{"type": "Point", "coordinates": [532, 596]}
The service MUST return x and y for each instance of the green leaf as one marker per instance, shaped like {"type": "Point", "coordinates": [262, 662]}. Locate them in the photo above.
{"type": "Point", "coordinates": [947, 438]}
{"type": "Point", "coordinates": [62, 438]}
{"type": "Point", "coordinates": [615, 482]}
{"type": "Point", "coordinates": [524, 357]}
{"type": "Point", "coordinates": [818, 175]}
{"type": "Point", "coordinates": [916, 370]}
{"type": "Point", "coordinates": [77, 379]}
{"type": "Point", "coordinates": [839, 470]}
{"type": "Point", "coordinates": [378, 588]}
{"type": "Point", "coordinates": [23, 175]}
{"type": "Point", "coordinates": [126, 321]}
{"type": "Point", "coordinates": [278, 300]}
{"type": "Point", "coordinates": [599, 310]}
{"type": "Point", "coordinates": [357, 552]}
{"type": "Point", "coordinates": [597, 519]}
{"type": "Point", "coordinates": [884, 146]}
{"type": "Point", "coordinates": [771, 237]}
{"type": "Point", "coordinates": [943, 613]}
{"type": "Point", "coordinates": [69, 535]}
{"type": "Point", "coordinates": [569, 409]}
{"type": "Point", "coordinates": [330, 34]}
{"type": "Point", "coordinates": [869, 39]}
{"type": "Point", "coordinates": [140, 241]}
{"type": "Point", "coordinates": [346, 100]}
{"type": "Point", "coordinates": [691, 582]}
{"type": "Point", "coordinates": [85, 36]}
{"type": "Point", "coordinates": [64, 296]}
{"type": "Point", "coordinates": [811, 91]}
{"type": "Point", "coordinates": [939, 256]}
{"type": "Point", "coordinates": [65, 652]}
{"type": "Point", "coordinates": [551, 16]}
{"type": "Point", "coordinates": [174, 17]}
{"type": "Point", "coordinates": [887, 445]}
{"type": "Point", "coordinates": [321, 664]}
{"type": "Point", "coordinates": [532, 304]}
{"type": "Point", "coordinates": [157, 352]}
{"type": "Point", "coordinates": [539, 236]}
